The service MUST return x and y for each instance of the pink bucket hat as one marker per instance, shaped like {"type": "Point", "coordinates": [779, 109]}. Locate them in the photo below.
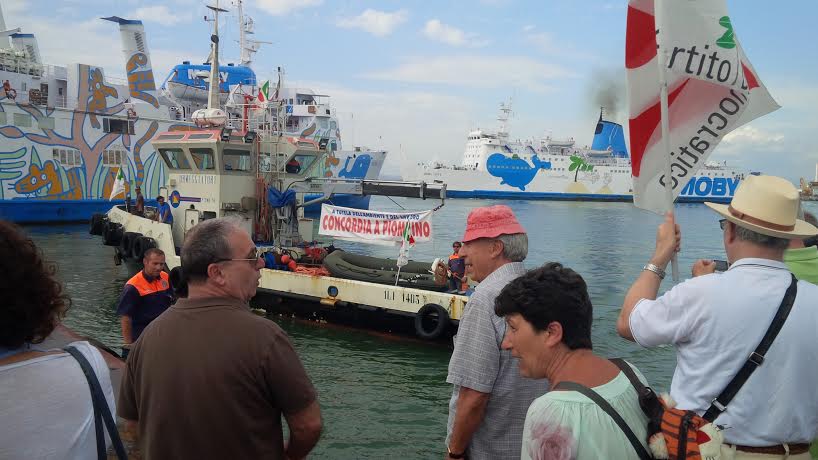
{"type": "Point", "coordinates": [491, 222]}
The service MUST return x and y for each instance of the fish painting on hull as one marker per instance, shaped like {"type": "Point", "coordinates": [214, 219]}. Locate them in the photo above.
{"type": "Point", "coordinates": [359, 168]}
{"type": "Point", "coordinates": [514, 171]}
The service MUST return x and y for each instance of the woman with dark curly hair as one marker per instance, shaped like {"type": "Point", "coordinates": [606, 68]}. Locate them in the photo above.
{"type": "Point", "coordinates": [45, 401]}
{"type": "Point", "coordinates": [549, 314]}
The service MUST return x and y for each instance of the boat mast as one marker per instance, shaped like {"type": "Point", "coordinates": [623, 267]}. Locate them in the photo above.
{"type": "Point", "coordinates": [502, 117]}
{"type": "Point", "coordinates": [247, 46]}
{"type": "Point", "coordinates": [213, 95]}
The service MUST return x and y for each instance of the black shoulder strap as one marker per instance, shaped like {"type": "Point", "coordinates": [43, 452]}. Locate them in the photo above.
{"type": "Point", "coordinates": [600, 401]}
{"type": "Point", "coordinates": [756, 358]}
{"type": "Point", "coordinates": [628, 370]}
{"type": "Point", "coordinates": [101, 409]}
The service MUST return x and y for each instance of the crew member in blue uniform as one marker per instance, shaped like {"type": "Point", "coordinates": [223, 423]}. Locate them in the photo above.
{"type": "Point", "coordinates": [146, 295]}
{"type": "Point", "coordinates": [163, 213]}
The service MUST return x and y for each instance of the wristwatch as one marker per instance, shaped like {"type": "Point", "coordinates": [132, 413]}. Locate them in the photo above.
{"type": "Point", "coordinates": [454, 455]}
{"type": "Point", "coordinates": [655, 269]}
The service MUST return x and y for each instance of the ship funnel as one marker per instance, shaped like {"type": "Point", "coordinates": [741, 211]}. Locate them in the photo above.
{"type": "Point", "coordinates": [28, 44]}
{"type": "Point", "coordinates": [610, 136]}
{"type": "Point", "coordinates": [141, 83]}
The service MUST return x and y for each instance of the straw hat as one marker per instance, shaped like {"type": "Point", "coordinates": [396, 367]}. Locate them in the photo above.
{"type": "Point", "coordinates": [491, 222]}
{"type": "Point", "coordinates": [767, 205]}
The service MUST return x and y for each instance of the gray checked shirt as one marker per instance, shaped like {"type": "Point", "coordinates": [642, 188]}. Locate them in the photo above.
{"type": "Point", "coordinates": [479, 363]}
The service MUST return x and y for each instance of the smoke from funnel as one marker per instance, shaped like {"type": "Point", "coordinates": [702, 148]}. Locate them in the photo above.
{"type": "Point", "coordinates": [607, 89]}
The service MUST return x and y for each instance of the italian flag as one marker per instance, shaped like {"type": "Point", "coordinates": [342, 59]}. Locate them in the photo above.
{"type": "Point", "coordinates": [408, 239]}
{"type": "Point", "coordinates": [119, 184]}
{"type": "Point", "coordinates": [264, 92]}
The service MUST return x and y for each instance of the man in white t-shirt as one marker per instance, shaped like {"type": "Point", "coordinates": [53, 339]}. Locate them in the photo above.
{"type": "Point", "coordinates": [716, 320]}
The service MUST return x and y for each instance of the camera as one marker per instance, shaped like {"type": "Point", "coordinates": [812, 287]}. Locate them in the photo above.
{"type": "Point", "coordinates": [721, 265]}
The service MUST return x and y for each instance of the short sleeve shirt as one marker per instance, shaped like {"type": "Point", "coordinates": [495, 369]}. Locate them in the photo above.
{"type": "Point", "coordinates": [568, 425]}
{"type": "Point", "coordinates": [479, 363]}
{"type": "Point", "coordinates": [165, 215]}
{"type": "Point", "coordinates": [715, 321]}
{"type": "Point", "coordinates": [209, 379]}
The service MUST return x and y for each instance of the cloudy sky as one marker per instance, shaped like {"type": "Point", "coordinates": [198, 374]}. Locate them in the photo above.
{"type": "Point", "coordinates": [415, 76]}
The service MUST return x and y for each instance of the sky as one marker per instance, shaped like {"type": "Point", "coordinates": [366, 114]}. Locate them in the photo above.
{"type": "Point", "coordinates": [414, 77]}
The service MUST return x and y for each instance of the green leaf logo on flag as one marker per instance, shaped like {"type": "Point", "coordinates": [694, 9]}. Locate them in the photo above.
{"type": "Point", "coordinates": [728, 40]}
{"type": "Point", "coordinates": [264, 92]}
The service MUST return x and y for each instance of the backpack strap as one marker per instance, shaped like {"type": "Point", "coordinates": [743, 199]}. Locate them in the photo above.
{"type": "Point", "coordinates": [101, 409]}
{"type": "Point", "coordinates": [628, 370]}
{"type": "Point", "coordinates": [600, 401]}
{"type": "Point", "coordinates": [756, 358]}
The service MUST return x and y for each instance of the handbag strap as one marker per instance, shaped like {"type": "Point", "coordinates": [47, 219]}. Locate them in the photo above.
{"type": "Point", "coordinates": [756, 358]}
{"type": "Point", "coordinates": [101, 409]}
{"type": "Point", "coordinates": [600, 401]}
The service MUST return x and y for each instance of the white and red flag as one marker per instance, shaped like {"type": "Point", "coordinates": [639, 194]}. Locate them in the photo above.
{"type": "Point", "coordinates": [712, 89]}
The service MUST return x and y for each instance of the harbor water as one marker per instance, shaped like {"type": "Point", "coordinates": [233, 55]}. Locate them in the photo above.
{"type": "Point", "coordinates": [384, 396]}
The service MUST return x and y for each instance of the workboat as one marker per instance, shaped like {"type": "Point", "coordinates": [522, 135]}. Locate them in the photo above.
{"type": "Point", "coordinates": [383, 271]}
{"type": "Point", "coordinates": [244, 169]}
{"type": "Point", "coordinates": [496, 166]}
{"type": "Point", "coordinates": [67, 131]}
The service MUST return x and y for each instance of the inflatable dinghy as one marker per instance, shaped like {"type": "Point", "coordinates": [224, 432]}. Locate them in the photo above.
{"type": "Point", "coordinates": [416, 275]}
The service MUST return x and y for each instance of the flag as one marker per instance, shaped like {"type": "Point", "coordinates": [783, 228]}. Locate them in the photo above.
{"type": "Point", "coordinates": [408, 238]}
{"type": "Point", "coordinates": [119, 184]}
{"type": "Point", "coordinates": [712, 90]}
{"type": "Point", "coordinates": [264, 92]}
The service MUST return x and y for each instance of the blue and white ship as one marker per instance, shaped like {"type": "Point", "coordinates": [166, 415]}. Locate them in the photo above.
{"type": "Point", "coordinates": [66, 131]}
{"type": "Point", "coordinates": [495, 166]}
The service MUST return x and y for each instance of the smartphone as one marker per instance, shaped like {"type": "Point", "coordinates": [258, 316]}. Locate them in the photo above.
{"type": "Point", "coordinates": [721, 265]}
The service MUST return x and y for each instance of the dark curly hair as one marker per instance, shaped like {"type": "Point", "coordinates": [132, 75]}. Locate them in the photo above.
{"type": "Point", "coordinates": [551, 293]}
{"type": "Point", "coordinates": [33, 300]}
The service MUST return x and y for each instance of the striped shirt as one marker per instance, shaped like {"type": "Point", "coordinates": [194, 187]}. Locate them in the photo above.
{"type": "Point", "coordinates": [479, 363]}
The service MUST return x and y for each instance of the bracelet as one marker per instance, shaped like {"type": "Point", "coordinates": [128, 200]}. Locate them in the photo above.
{"type": "Point", "coordinates": [454, 455]}
{"type": "Point", "coordinates": [655, 269]}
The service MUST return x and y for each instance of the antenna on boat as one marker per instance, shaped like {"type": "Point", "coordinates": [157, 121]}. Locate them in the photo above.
{"type": "Point", "coordinates": [213, 115]}
{"type": "Point", "coordinates": [247, 46]}
{"type": "Point", "coordinates": [503, 116]}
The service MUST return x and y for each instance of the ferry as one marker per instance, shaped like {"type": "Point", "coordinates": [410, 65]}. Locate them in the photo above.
{"type": "Point", "coordinates": [246, 172]}
{"type": "Point", "coordinates": [66, 131]}
{"type": "Point", "coordinates": [496, 166]}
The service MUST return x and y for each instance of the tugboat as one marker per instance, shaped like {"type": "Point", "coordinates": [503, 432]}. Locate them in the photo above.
{"type": "Point", "coordinates": [248, 171]}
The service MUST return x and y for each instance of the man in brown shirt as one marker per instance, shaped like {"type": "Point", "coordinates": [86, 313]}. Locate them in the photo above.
{"type": "Point", "coordinates": [208, 378]}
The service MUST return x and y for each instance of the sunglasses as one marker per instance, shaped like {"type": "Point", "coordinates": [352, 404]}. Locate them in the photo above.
{"type": "Point", "coordinates": [254, 256]}
{"type": "Point", "coordinates": [722, 223]}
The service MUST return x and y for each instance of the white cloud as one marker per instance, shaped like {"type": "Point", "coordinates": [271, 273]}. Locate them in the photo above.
{"type": "Point", "coordinates": [160, 14]}
{"type": "Point", "coordinates": [476, 72]}
{"type": "Point", "coordinates": [377, 23]}
{"type": "Point", "coordinates": [282, 7]}
{"type": "Point", "coordinates": [436, 30]}
{"type": "Point", "coordinates": [752, 135]}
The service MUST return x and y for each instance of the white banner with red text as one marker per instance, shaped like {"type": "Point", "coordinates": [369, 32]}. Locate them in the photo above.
{"type": "Point", "coordinates": [376, 227]}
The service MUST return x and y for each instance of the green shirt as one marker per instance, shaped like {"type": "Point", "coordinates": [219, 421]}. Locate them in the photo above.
{"type": "Point", "coordinates": [803, 263]}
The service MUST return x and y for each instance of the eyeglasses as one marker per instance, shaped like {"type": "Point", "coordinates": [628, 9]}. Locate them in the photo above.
{"type": "Point", "coordinates": [722, 223]}
{"type": "Point", "coordinates": [255, 256]}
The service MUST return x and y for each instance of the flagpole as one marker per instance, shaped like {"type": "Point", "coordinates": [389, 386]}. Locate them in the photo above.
{"type": "Point", "coordinates": [661, 60]}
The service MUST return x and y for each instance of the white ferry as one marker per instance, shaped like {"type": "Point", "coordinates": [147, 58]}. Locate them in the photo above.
{"type": "Point", "coordinates": [495, 166]}
{"type": "Point", "coordinates": [66, 131]}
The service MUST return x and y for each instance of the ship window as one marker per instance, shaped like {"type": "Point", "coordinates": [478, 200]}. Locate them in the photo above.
{"type": "Point", "coordinates": [171, 136]}
{"type": "Point", "coordinates": [45, 123]}
{"type": "Point", "coordinates": [67, 157]}
{"type": "Point", "coordinates": [112, 125]}
{"type": "Point", "coordinates": [237, 160]}
{"type": "Point", "coordinates": [112, 157]}
{"type": "Point", "coordinates": [203, 158]}
{"type": "Point", "coordinates": [22, 120]}
{"type": "Point", "coordinates": [175, 158]}
{"type": "Point", "coordinates": [197, 136]}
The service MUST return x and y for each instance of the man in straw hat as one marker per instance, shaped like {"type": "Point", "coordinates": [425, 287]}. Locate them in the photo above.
{"type": "Point", "coordinates": [716, 320]}
{"type": "Point", "coordinates": [490, 398]}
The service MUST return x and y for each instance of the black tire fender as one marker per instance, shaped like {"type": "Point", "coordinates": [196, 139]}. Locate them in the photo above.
{"type": "Point", "coordinates": [111, 234]}
{"type": "Point", "coordinates": [126, 244]}
{"type": "Point", "coordinates": [96, 224]}
{"type": "Point", "coordinates": [140, 245]}
{"type": "Point", "coordinates": [424, 316]}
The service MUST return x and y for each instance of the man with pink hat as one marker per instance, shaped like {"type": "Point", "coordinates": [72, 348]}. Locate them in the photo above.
{"type": "Point", "coordinates": [490, 397]}
{"type": "Point", "coordinates": [717, 320]}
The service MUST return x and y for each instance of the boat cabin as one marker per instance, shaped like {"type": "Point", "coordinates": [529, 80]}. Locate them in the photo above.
{"type": "Point", "coordinates": [219, 172]}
